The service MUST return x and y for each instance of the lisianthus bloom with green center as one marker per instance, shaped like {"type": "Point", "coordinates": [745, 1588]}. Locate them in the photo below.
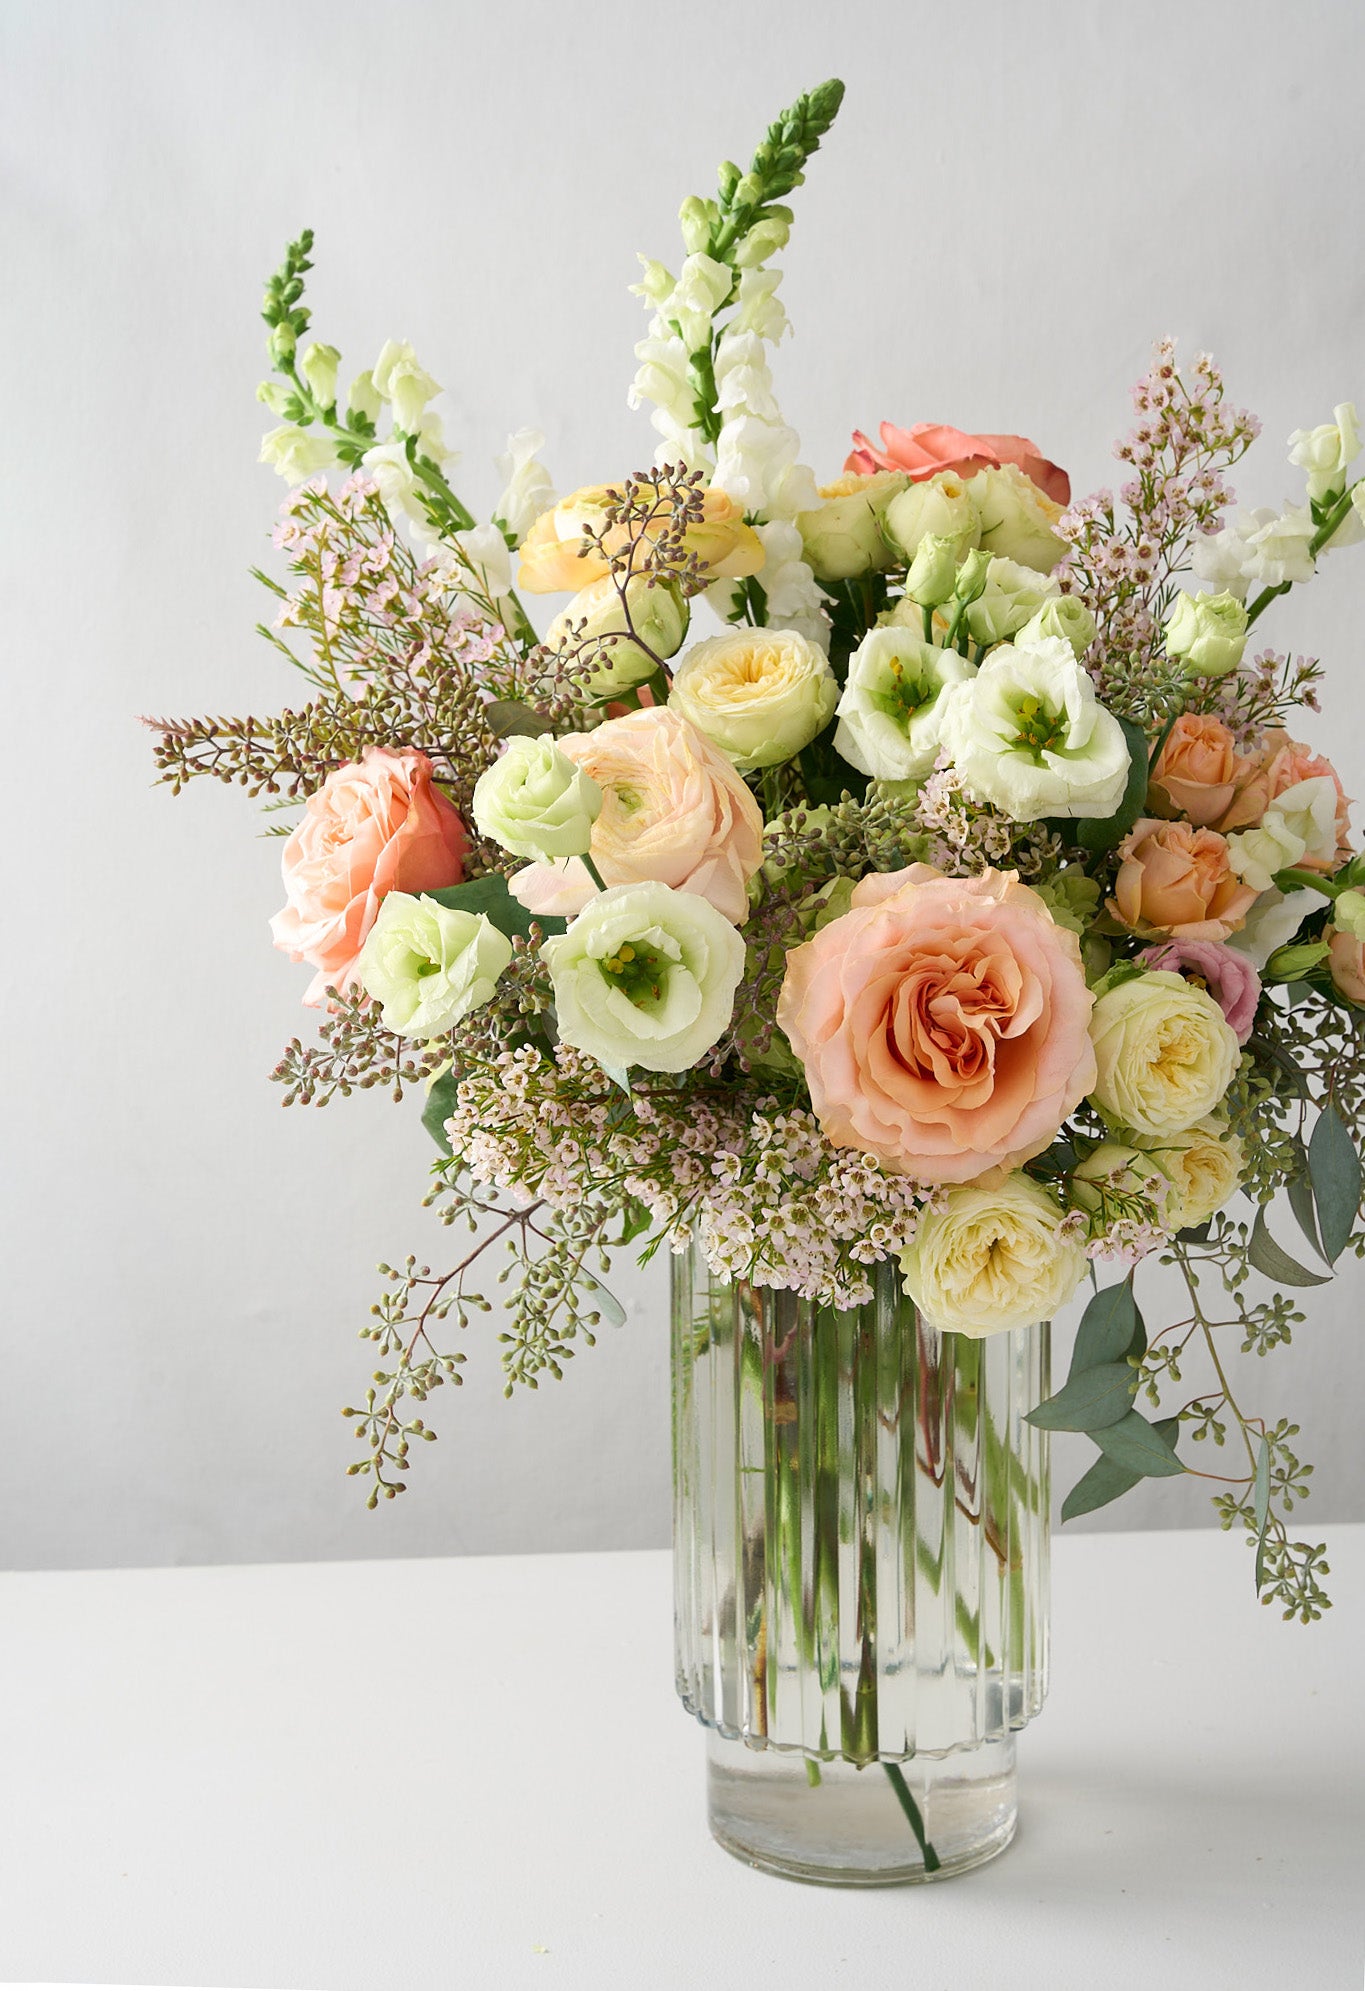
{"type": "Point", "coordinates": [892, 706]}
{"type": "Point", "coordinates": [645, 976]}
{"type": "Point", "coordinates": [429, 964]}
{"type": "Point", "coordinates": [1028, 735]}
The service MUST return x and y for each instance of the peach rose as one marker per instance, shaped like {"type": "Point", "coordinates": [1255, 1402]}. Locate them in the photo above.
{"type": "Point", "coordinates": [943, 1023]}
{"type": "Point", "coordinates": [553, 559]}
{"type": "Point", "coordinates": [375, 826]}
{"type": "Point", "coordinates": [1199, 773]}
{"type": "Point", "coordinates": [673, 809]}
{"type": "Point", "coordinates": [929, 447]}
{"type": "Point", "coordinates": [1346, 963]}
{"type": "Point", "coordinates": [1177, 879]}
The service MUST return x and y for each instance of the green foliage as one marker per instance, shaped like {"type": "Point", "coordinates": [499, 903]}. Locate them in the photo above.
{"type": "Point", "coordinates": [1099, 834]}
{"type": "Point", "coordinates": [489, 895]}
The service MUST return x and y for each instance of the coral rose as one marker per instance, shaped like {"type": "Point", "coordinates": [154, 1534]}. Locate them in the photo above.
{"type": "Point", "coordinates": [554, 558]}
{"type": "Point", "coordinates": [375, 826]}
{"type": "Point", "coordinates": [673, 809]}
{"type": "Point", "coordinates": [1199, 773]}
{"type": "Point", "coordinates": [928, 447]}
{"type": "Point", "coordinates": [943, 1023]}
{"type": "Point", "coordinates": [1175, 879]}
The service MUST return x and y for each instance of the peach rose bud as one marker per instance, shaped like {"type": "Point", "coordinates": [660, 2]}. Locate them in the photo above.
{"type": "Point", "coordinates": [1177, 879]}
{"type": "Point", "coordinates": [1199, 771]}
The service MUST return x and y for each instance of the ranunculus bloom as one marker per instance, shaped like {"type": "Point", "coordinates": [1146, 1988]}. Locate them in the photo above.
{"type": "Point", "coordinates": [1175, 879]}
{"type": "Point", "coordinates": [553, 557]}
{"type": "Point", "coordinates": [1230, 978]}
{"type": "Point", "coordinates": [375, 826]}
{"type": "Point", "coordinates": [928, 447]}
{"type": "Point", "coordinates": [943, 1023]}
{"type": "Point", "coordinates": [993, 1259]}
{"type": "Point", "coordinates": [1199, 773]}
{"type": "Point", "coordinates": [1346, 963]}
{"type": "Point", "coordinates": [673, 809]}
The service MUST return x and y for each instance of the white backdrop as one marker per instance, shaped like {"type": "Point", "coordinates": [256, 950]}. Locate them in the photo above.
{"type": "Point", "coordinates": [1014, 203]}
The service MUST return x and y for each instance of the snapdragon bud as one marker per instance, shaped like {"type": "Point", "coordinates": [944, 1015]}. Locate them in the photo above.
{"type": "Point", "coordinates": [282, 343]}
{"type": "Point", "coordinates": [932, 578]}
{"type": "Point", "coordinates": [318, 364]}
{"type": "Point", "coordinates": [696, 218]}
{"type": "Point", "coordinates": [763, 240]}
{"type": "Point", "coordinates": [277, 397]}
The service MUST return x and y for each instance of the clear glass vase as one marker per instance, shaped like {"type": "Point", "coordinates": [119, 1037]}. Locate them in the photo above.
{"type": "Point", "coordinates": [860, 1544]}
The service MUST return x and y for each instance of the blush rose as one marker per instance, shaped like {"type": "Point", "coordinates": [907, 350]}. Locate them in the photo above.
{"type": "Point", "coordinates": [928, 447]}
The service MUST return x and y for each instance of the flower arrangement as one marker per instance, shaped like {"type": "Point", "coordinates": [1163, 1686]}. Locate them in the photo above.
{"type": "Point", "coordinates": [922, 868]}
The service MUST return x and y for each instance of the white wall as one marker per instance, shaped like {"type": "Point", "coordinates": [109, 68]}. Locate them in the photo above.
{"type": "Point", "coordinates": [1016, 200]}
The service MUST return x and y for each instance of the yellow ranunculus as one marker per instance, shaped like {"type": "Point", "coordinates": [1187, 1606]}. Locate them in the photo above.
{"type": "Point", "coordinates": [992, 1259]}
{"type": "Point", "coordinates": [1164, 1051]}
{"type": "Point", "coordinates": [553, 559]}
{"type": "Point", "coordinates": [759, 694]}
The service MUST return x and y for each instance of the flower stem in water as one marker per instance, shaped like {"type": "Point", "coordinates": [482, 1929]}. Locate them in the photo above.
{"type": "Point", "coordinates": [907, 1804]}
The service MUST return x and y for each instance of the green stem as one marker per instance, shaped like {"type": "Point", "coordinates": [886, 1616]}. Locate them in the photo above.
{"type": "Point", "coordinates": [905, 1798]}
{"type": "Point", "coordinates": [594, 873]}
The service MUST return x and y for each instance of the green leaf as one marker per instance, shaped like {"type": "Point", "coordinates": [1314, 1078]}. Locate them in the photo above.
{"type": "Point", "coordinates": [1276, 1264]}
{"type": "Point", "coordinates": [1300, 1191]}
{"type": "Point", "coordinates": [1100, 833]}
{"type": "Point", "coordinates": [508, 716]}
{"type": "Point", "coordinates": [490, 895]}
{"type": "Point", "coordinates": [1106, 1330]}
{"type": "Point", "coordinates": [1334, 1167]}
{"type": "Point", "coordinates": [1261, 1047]}
{"type": "Point", "coordinates": [635, 1221]}
{"type": "Point", "coordinates": [1108, 1481]}
{"type": "Point", "coordinates": [605, 1302]}
{"type": "Point", "coordinates": [1138, 1446]}
{"type": "Point", "coordinates": [1095, 1397]}
{"type": "Point", "coordinates": [1261, 1498]}
{"type": "Point", "coordinates": [440, 1104]}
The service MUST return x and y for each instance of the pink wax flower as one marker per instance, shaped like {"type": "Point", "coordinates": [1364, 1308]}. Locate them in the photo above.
{"type": "Point", "coordinates": [1228, 976]}
{"type": "Point", "coordinates": [929, 447]}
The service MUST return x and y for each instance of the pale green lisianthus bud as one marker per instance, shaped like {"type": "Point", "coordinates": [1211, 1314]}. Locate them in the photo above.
{"type": "Point", "coordinates": [1011, 597]}
{"type": "Point", "coordinates": [1348, 913]}
{"type": "Point", "coordinates": [430, 965]}
{"type": "Point", "coordinates": [296, 453]}
{"type": "Point", "coordinates": [844, 538]}
{"type": "Point", "coordinates": [892, 705]}
{"type": "Point", "coordinates": [942, 505]}
{"type": "Point", "coordinates": [645, 976]}
{"type": "Point", "coordinates": [658, 615]}
{"type": "Point", "coordinates": [535, 802]}
{"type": "Point", "coordinates": [759, 694]}
{"type": "Point", "coordinates": [932, 578]}
{"type": "Point", "coordinates": [318, 364]}
{"type": "Point", "coordinates": [1018, 521]}
{"type": "Point", "coordinates": [1208, 633]}
{"type": "Point", "coordinates": [972, 576]}
{"type": "Point", "coordinates": [1292, 963]}
{"type": "Point", "coordinates": [361, 398]}
{"type": "Point", "coordinates": [1065, 616]}
{"type": "Point", "coordinates": [399, 378]}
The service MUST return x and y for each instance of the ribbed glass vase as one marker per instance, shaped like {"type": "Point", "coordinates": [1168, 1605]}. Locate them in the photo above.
{"type": "Point", "coordinates": [861, 1575]}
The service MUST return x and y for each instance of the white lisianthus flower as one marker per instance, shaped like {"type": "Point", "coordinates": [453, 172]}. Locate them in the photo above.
{"type": "Point", "coordinates": [430, 965]}
{"type": "Point", "coordinates": [398, 378]}
{"type": "Point", "coordinates": [1272, 922]}
{"type": "Point", "coordinates": [653, 609]}
{"type": "Point", "coordinates": [1011, 597]}
{"type": "Point", "coordinates": [1277, 546]}
{"type": "Point", "coordinates": [759, 694]}
{"type": "Point", "coordinates": [1018, 521]}
{"type": "Point", "coordinates": [645, 976]}
{"type": "Point", "coordinates": [1208, 633]}
{"type": "Point", "coordinates": [318, 365]}
{"type": "Point", "coordinates": [527, 490]}
{"type": "Point", "coordinates": [296, 453]}
{"type": "Point", "coordinates": [1164, 1054]}
{"type": "Point", "coordinates": [1028, 735]}
{"type": "Point", "coordinates": [1061, 615]}
{"type": "Point", "coordinates": [892, 706]}
{"type": "Point", "coordinates": [989, 1260]}
{"type": "Point", "coordinates": [536, 802]}
{"type": "Point", "coordinates": [942, 505]}
{"type": "Point", "coordinates": [1327, 453]}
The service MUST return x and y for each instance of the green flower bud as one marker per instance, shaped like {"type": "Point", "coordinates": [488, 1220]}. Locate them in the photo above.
{"type": "Point", "coordinates": [971, 576]}
{"type": "Point", "coordinates": [1207, 632]}
{"type": "Point", "coordinates": [697, 218]}
{"type": "Point", "coordinates": [1293, 962]}
{"type": "Point", "coordinates": [1063, 615]}
{"type": "Point", "coordinates": [763, 240]}
{"type": "Point", "coordinates": [362, 398]}
{"type": "Point", "coordinates": [318, 364]}
{"type": "Point", "coordinates": [282, 344]}
{"type": "Point", "coordinates": [932, 578]}
{"type": "Point", "coordinates": [1348, 913]}
{"type": "Point", "coordinates": [277, 397]}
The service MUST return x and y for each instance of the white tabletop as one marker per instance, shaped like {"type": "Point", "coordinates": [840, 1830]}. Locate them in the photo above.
{"type": "Point", "coordinates": [350, 1777]}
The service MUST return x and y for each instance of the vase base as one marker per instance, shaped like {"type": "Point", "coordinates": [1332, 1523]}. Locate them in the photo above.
{"type": "Point", "coordinates": [848, 1828]}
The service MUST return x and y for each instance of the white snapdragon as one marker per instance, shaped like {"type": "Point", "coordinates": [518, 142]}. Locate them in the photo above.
{"type": "Point", "coordinates": [296, 453]}
{"type": "Point", "coordinates": [400, 489]}
{"type": "Point", "coordinates": [1327, 452]}
{"type": "Point", "coordinates": [1273, 921]}
{"type": "Point", "coordinates": [1028, 735]}
{"type": "Point", "coordinates": [527, 490]}
{"type": "Point", "coordinates": [1264, 546]}
{"type": "Point", "coordinates": [399, 378]}
{"type": "Point", "coordinates": [892, 707]}
{"type": "Point", "coordinates": [702, 287]}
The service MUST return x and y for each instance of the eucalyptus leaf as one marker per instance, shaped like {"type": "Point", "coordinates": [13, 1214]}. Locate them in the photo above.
{"type": "Point", "coordinates": [490, 895]}
{"type": "Point", "coordinates": [440, 1104]}
{"type": "Point", "coordinates": [1261, 1501]}
{"type": "Point", "coordinates": [1334, 1167]}
{"type": "Point", "coordinates": [1107, 1480]}
{"type": "Point", "coordinates": [508, 717]}
{"type": "Point", "coordinates": [1106, 1330]}
{"type": "Point", "coordinates": [1275, 1263]}
{"type": "Point", "coordinates": [1100, 833]}
{"type": "Point", "coordinates": [1300, 1192]}
{"type": "Point", "coordinates": [1138, 1446]}
{"type": "Point", "coordinates": [605, 1302]}
{"type": "Point", "coordinates": [1088, 1400]}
